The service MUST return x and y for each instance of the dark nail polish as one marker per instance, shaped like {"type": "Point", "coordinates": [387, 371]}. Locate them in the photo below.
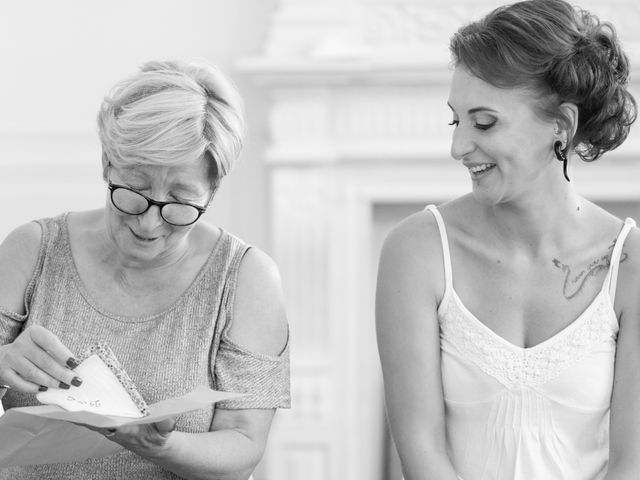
{"type": "Point", "coordinates": [72, 363]}
{"type": "Point", "coordinates": [42, 388]}
{"type": "Point", "coordinates": [76, 382]}
{"type": "Point", "coordinates": [64, 386]}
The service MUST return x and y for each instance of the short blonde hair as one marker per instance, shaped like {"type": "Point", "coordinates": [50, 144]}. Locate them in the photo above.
{"type": "Point", "coordinates": [172, 112]}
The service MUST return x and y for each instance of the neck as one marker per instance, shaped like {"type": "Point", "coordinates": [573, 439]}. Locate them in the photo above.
{"type": "Point", "coordinates": [538, 222]}
{"type": "Point", "coordinates": [133, 271]}
{"type": "Point", "coordinates": [139, 279]}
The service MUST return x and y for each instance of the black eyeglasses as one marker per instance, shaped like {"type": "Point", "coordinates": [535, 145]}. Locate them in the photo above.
{"type": "Point", "coordinates": [135, 203]}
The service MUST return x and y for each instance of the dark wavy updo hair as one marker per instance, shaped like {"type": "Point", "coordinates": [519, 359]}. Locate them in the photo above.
{"type": "Point", "coordinates": [561, 54]}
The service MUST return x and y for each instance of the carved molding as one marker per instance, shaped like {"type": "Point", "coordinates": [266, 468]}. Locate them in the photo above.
{"type": "Point", "coordinates": [366, 123]}
{"type": "Point", "coordinates": [314, 29]}
{"type": "Point", "coordinates": [367, 29]}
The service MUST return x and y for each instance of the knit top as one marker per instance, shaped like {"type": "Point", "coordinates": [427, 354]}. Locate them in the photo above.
{"type": "Point", "coordinates": [166, 354]}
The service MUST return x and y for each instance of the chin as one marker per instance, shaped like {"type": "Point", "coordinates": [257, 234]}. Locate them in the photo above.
{"type": "Point", "coordinates": [488, 198]}
{"type": "Point", "coordinates": [141, 256]}
{"type": "Point", "coordinates": [142, 253]}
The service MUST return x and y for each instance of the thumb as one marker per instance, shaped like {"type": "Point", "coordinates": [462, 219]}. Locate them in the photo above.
{"type": "Point", "coordinates": [166, 426]}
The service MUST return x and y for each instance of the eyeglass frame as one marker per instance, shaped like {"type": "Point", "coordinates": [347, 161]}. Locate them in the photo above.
{"type": "Point", "coordinates": [151, 202]}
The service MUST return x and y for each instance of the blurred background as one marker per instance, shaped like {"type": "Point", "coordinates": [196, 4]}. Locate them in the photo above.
{"type": "Point", "coordinates": [347, 134]}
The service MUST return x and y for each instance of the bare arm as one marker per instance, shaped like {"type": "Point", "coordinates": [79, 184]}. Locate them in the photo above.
{"type": "Point", "coordinates": [236, 442]}
{"type": "Point", "coordinates": [624, 461]}
{"type": "Point", "coordinates": [18, 256]}
{"type": "Point", "coordinates": [36, 358]}
{"type": "Point", "coordinates": [410, 280]}
{"type": "Point", "coordinates": [230, 451]}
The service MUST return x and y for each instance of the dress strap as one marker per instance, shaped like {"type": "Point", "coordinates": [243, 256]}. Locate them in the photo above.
{"type": "Point", "coordinates": [446, 255]}
{"type": "Point", "coordinates": [612, 275]}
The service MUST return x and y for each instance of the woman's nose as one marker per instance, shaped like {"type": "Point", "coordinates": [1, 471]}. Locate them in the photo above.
{"type": "Point", "coordinates": [461, 143]}
{"type": "Point", "coordinates": [150, 219]}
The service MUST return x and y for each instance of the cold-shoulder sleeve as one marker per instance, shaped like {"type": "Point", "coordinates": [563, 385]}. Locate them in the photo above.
{"type": "Point", "coordinates": [12, 323]}
{"type": "Point", "coordinates": [263, 378]}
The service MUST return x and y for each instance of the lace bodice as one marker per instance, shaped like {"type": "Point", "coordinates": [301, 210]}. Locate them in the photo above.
{"type": "Point", "coordinates": [514, 366]}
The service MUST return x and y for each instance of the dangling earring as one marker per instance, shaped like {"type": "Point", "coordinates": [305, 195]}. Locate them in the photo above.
{"type": "Point", "coordinates": [560, 155]}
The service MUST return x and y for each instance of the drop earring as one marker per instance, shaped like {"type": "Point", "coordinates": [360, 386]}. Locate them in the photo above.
{"type": "Point", "coordinates": [562, 156]}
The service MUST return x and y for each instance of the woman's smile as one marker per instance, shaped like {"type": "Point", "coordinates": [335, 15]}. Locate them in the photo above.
{"type": "Point", "coordinates": [480, 170]}
{"type": "Point", "coordinates": [144, 238]}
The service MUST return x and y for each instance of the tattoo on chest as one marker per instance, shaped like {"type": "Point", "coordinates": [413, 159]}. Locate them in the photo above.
{"type": "Point", "coordinates": [574, 282]}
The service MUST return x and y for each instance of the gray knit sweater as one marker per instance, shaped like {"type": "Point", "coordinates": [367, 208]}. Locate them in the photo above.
{"type": "Point", "coordinates": [166, 354]}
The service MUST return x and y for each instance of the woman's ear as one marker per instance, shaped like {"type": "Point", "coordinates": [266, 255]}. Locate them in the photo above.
{"type": "Point", "coordinates": [105, 165]}
{"type": "Point", "coordinates": [570, 113]}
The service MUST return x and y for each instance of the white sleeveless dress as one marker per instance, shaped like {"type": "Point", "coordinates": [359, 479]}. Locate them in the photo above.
{"type": "Point", "coordinates": [517, 413]}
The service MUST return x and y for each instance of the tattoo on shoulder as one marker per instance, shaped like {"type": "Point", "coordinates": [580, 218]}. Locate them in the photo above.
{"type": "Point", "coordinates": [574, 283]}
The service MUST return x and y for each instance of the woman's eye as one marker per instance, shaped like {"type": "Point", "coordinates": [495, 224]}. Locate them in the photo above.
{"type": "Point", "coordinates": [478, 125]}
{"type": "Point", "coordinates": [484, 126]}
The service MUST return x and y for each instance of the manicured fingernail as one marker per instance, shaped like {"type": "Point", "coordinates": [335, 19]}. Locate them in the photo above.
{"type": "Point", "coordinates": [72, 363]}
{"type": "Point", "coordinates": [64, 386]}
{"type": "Point", "coordinates": [42, 388]}
{"type": "Point", "coordinates": [76, 382]}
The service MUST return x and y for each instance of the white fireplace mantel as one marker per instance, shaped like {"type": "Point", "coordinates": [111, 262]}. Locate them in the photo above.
{"type": "Point", "coordinates": [339, 111]}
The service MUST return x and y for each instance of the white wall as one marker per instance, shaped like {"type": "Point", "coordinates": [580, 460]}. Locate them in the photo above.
{"type": "Point", "coordinates": [60, 58]}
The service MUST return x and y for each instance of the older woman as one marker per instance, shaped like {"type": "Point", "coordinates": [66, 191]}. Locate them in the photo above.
{"type": "Point", "coordinates": [509, 318]}
{"type": "Point", "coordinates": [180, 302]}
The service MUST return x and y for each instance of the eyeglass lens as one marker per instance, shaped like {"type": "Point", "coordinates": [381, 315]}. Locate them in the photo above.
{"type": "Point", "coordinates": [133, 203]}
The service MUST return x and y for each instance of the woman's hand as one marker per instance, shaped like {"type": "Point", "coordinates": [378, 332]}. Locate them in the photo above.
{"type": "Point", "coordinates": [37, 360]}
{"type": "Point", "coordinates": [146, 440]}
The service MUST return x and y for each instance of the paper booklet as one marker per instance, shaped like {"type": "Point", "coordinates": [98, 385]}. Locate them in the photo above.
{"type": "Point", "coordinates": [107, 398]}
{"type": "Point", "coordinates": [106, 388]}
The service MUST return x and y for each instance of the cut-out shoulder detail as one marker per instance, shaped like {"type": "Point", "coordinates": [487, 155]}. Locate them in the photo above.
{"type": "Point", "coordinates": [22, 247]}
{"type": "Point", "coordinates": [19, 257]}
{"type": "Point", "coordinates": [259, 321]}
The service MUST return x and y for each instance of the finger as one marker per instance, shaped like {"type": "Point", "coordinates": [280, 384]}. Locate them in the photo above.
{"type": "Point", "coordinates": [34, 374]}
{"type": "Point", "coordinates": [166, 426]}
{"type": "Point", "coordinates": [86, 425]}
{"type": "Point", "coordinates": [49, 372]}
{"type": "Point", "coordinates": [16, 382]}
{"type": "Point", "coordinates": [30, 372]}
{"type": "Point", "coordinates": [106, 432]}
{"type": "Point", "coordinates": [49, 342]}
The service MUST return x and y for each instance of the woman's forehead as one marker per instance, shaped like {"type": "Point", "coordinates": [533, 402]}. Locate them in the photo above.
{"type": "Point", "coordinates": [469, 92]}
{"type": "Point", "coordinates": [187, 176]}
